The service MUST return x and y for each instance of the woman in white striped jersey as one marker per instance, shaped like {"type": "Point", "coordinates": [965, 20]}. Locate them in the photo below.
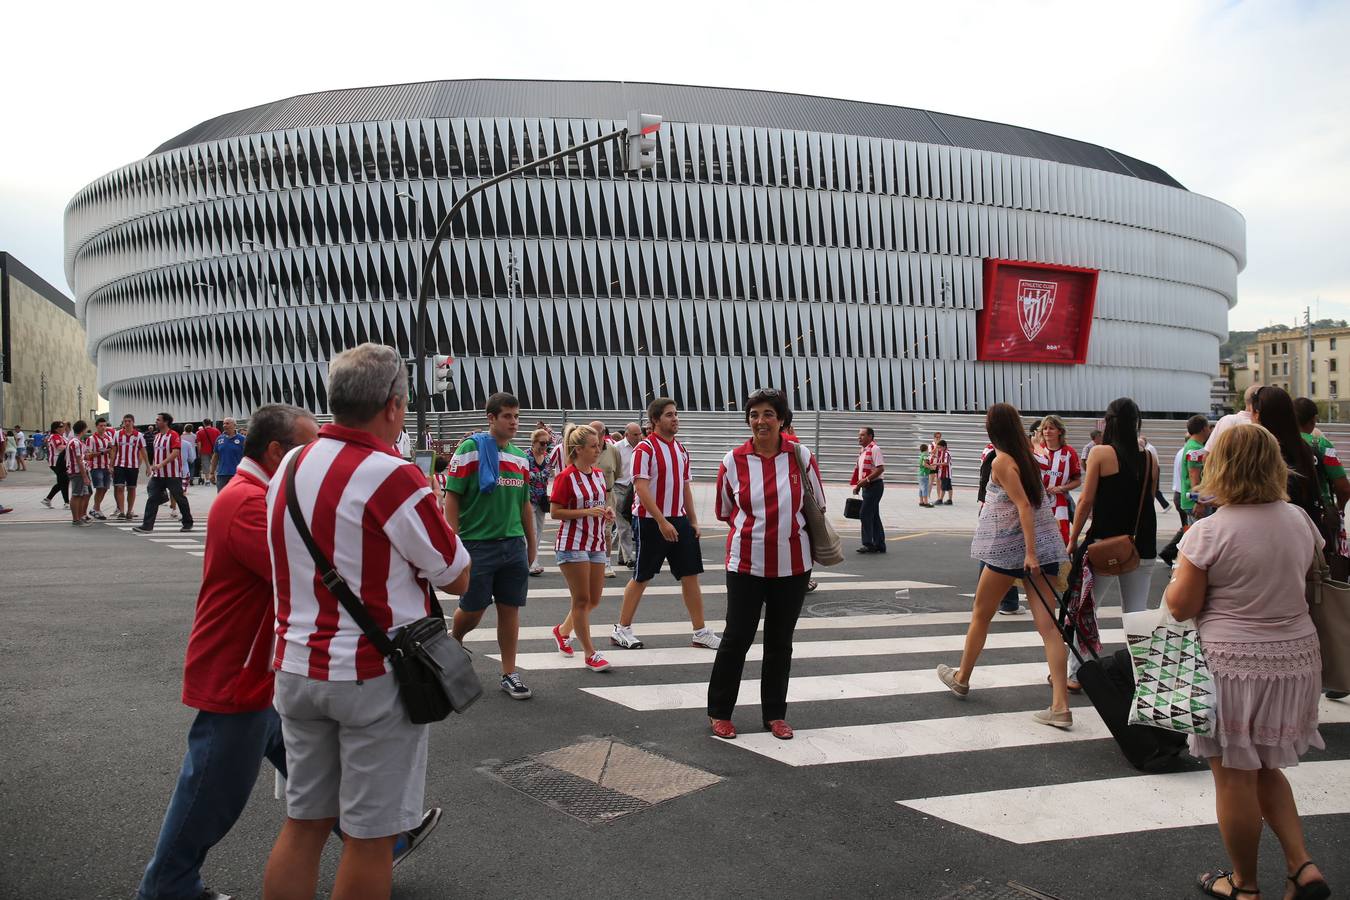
{"type": "Point", "coordinates": [578, 503]}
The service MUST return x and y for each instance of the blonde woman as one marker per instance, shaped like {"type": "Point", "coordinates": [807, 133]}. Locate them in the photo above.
{"type": "Point", "coordinates": [578, 504]}
{"type": "Point", "coordinates": [1240, 574]}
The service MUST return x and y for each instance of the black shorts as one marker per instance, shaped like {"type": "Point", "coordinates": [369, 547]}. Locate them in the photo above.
{"type": "Point", "coordinates": [1049, 570]}
{"type": "Point", "coordinates": [126, 476]}
{"type": "Point", "coordinates": [685, 556]}
{"type": "Point", "coordinates": [946, 484]}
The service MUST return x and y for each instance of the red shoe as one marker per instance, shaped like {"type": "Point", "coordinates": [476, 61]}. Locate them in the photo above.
{"type": "Point", "coordinates": [564, 644]}
{"type": "Point", "coordinates": [724, 729]}
{"type": "Point", "coordinates": [780, 729]}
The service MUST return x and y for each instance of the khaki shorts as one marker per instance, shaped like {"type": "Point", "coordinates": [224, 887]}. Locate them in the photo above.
{"type": "Point", "coordinates": [352, 753]}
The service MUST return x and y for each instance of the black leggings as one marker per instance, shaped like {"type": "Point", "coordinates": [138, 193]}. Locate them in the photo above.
{"type": "Point", "coordinates": [62, 479]}
{"type": "Point", "coordinates": [781, 600]}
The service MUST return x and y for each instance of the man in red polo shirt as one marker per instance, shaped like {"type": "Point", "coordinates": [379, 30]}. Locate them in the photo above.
{"type": "Point", "coordinates": [228, 676]}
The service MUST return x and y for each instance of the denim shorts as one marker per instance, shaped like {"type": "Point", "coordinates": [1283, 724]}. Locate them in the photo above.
{"type": "Point", "coordinates": [1049, 570]}
{"type": "Point", "coordinates": [582, 556]}
{"type": "Point", "coordinates": [101, 479]}
{"type": "Point", "coordinates": [79, 487]}
{"type": "Point", "coordinates": [500, 574]}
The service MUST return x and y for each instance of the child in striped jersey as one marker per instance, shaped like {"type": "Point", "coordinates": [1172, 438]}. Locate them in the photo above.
{"type": "Point", "coordinates": [578, 503]}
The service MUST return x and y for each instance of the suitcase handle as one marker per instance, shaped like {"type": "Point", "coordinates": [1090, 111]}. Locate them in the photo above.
{"type": "Point", "coordinates": [1067, 629]}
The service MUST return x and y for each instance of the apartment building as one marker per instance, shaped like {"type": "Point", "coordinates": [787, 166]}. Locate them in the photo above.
{"type": "Point", "coordinates": [1312, 364]}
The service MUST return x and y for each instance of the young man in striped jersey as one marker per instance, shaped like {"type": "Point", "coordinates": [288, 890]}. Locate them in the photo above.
{"type": "Point", "coordinates": [128, 457]}
{"type": "Point", "coordinates": [665, 524]}
{"type": "Point", "coordinates": [100, 464]}
{"type": "Point", "coordinates": [487, 502]}
{"type": "Point", "coordinates": [77, 471]}
{"type": "Point", "coordinates": [166, 477]}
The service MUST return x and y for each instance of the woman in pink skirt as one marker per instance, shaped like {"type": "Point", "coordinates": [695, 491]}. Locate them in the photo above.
{"type": "Point", "coordinates": [1241, 574]}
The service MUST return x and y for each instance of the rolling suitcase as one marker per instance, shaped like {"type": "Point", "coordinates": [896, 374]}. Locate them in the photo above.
{"type": "Point", "coordinates": [1108, 682]}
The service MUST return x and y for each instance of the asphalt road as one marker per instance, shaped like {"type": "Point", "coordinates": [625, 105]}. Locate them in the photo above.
{"type": "Point", "coordinates": [93, 734]}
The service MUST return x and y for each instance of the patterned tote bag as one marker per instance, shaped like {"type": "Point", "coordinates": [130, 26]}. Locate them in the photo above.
{"type": "Point", "coordinates": [1173, 687]}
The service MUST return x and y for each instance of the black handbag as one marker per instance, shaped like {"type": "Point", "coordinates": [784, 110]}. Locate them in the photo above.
{"type": "Point", "coordinates": [434, 672]}
{"type": "Point", "coordinates": [853, 508]}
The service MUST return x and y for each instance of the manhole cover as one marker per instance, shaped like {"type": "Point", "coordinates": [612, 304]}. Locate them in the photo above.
{"type": "Point", "coordinates": [599, 780]}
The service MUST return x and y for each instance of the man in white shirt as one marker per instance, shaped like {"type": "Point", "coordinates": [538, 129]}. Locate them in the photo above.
{"type": "Point", "coordinates": [623, 495]}
{"type": "Point", "coordinates": [1244, 417]}
{"type": "Point", "coordinates": [21, 445]}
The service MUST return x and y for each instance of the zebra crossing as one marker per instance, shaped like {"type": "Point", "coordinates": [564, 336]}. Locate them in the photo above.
{"type": "Point", "coordinates": [193, 542]}
{"type": "Point", "coordinates": [672, 682]}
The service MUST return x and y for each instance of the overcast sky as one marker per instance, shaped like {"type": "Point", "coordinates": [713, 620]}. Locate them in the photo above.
{"type": "Point", "coordinates": [1244, 102]}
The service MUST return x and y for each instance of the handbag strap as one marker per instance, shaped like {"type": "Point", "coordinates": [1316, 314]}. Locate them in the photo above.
{"type": "Point", "coordinates": [330, 577]}
{"type": "Point", "coordinates": [1144, 480]}
{"type": "Point", "coordinates": [807, 489]}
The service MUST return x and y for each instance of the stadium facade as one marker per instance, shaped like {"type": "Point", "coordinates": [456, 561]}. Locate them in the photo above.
{"type": "Point", "coordinates": [860, 256]}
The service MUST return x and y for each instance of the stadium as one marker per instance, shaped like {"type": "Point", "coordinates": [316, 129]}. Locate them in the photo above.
{"type": "Point", "coordinates": [861, 256]}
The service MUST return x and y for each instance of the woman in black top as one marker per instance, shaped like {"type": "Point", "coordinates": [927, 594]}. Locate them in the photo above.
{"type": "Point", "coordinates": [1117, 473]}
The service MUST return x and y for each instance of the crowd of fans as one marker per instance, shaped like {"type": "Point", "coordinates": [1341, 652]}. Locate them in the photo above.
{"type": "Point", "coordinates": [277, 672]}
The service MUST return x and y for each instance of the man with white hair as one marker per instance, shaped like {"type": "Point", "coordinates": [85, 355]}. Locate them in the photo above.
{"type": "Point", "coordinates": [623, 495]}
{"type": "Point", "coordinates": [352, 752]}
{"type": "Point", "coordinates": [227, 452]}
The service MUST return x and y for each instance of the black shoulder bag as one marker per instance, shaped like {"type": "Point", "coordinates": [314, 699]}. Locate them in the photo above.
{"type": "Point", "coordinates": [434, 672]}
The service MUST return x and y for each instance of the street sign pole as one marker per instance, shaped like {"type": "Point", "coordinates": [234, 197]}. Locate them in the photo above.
{"type": "Point", "coordinates": [648, 126]}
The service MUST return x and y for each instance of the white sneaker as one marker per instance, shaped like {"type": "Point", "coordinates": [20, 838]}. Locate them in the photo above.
{"type": "Point", "coordinates": [624, 637]}
{"type": "Point", "coordinates": [706, 637]}
{"type": "Point", "coordinates": [46, 503]}
{"type": "Point", "coordinates": [609, 571]}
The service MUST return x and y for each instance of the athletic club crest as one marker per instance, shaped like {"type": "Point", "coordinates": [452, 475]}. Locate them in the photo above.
{"type": "Point", "coordinates": [1035, 301]}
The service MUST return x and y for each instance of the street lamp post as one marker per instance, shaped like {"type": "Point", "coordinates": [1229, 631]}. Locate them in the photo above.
{"type": "Point", "coordinates": [42, 382]}
{"type": "Point", "coordinates": [443, 230]}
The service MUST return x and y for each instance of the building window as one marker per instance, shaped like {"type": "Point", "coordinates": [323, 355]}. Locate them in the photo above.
{"type": "Point", "coordinates": [1284, 348]}
{"type": "Point", "coordinates": [1332, 342]}
{"type": "Point", "coordinates": [1333, 390]}
{"type": "Point", "coordinates": [1312, 388]}
{"type": "Point", "coordinates": [1274, 368]}
{"type": "Point", "coordinates": [1312, 344]}
{"type": "Point", "coordinates": [1274, 348]}
{"type": "Point", "coordinates": [1331, 365]}
{"type": "Point", "coordinates": [1286, 369]}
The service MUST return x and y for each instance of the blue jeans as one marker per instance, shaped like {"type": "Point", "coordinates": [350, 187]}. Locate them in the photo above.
{"type": "Point", "coordinates": [225, 752]}
{"type": "Point", "coordinates": [872, 533]}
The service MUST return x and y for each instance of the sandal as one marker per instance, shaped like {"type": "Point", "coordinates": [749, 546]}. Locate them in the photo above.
{"type": "Point", "coordinates": [780, 729]}
{"type": "Point", "coordinates": [723, 729]}
{"type": "Point", "coordinates": [1313, 890]}
{"type": "Point", "coordinates": [1074, 687]}
{"type": "Point", "coordinates": [1209, 879]}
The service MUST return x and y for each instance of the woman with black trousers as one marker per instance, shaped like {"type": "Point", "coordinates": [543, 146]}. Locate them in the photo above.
{"type": "Point", "coordinates": [56, 452]}
{"type": "Point", "coordinates": [759, 495]}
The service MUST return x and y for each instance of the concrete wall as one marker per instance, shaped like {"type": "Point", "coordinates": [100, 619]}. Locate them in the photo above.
{"type": "Point", "coordinates": [43, 339]}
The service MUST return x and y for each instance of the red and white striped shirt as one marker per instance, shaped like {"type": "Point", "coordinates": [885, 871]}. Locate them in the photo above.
{"type": "Point", "coordinates": [99, 445]}
{"type": "Point", "coordinates": [665, 465]}
{"type": "Point", "coordinates": [869, 460]}
{"type": "Point", "coordinates": [165, 444]}
{"type": "Point", "coordinates": [574, 490]}
{"type": "Point", "coordinates": [55, 444]}
{"type": "Point", "coordinates": [1059, 467]}
{"type": "Point", "coordinates": [374, 516]}
{"type": "Point", "coordinates": [75, 456]}
{"type": "Point", "coordinates": [761, 499]}
{"type": "Point", "coordinates": [128, 449]}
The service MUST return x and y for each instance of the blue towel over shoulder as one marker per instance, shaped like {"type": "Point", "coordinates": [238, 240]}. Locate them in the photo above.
{"type": "Point", "coordinates": [489, 461]}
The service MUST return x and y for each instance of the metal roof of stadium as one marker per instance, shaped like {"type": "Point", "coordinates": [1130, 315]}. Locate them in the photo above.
{"type": "Point", "coordinates": [683, 103]}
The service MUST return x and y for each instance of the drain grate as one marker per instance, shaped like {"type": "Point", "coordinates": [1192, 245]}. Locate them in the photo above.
{"type": "Point", "coordinates": [599, 780]}
{"type": "Point", "coordinates": [863, 606]}
{"type": "Point", "coordinates": [988, 890]}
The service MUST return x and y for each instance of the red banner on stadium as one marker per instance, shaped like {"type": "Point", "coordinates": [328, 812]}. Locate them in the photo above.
{"type": "Point", "coordinates": [1035, 312]}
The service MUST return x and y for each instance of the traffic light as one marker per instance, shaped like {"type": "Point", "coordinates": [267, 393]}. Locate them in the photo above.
{"type": "Point", "coordinates": [441, 374]}
{"type": "Point", "coordinates": [641, 136]}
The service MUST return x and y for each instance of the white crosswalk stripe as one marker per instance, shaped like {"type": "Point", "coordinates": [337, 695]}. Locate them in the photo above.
{"type": "Point", "coordinates": [672, 590]}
